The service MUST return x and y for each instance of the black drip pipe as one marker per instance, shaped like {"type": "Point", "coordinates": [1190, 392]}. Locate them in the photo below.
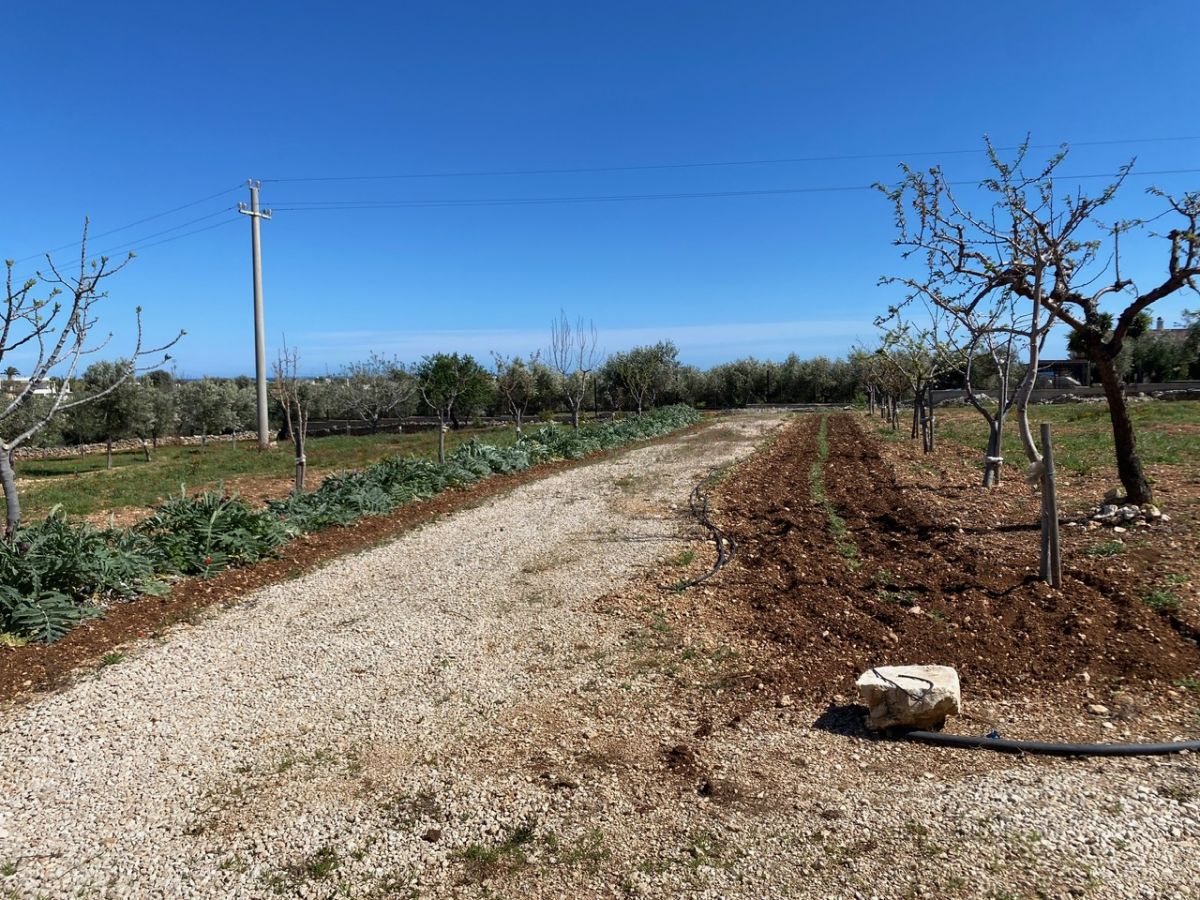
{"type": "Point", "coordinates": [1003, 745]}
{"type": "Point", "coordinates": [726, 545]}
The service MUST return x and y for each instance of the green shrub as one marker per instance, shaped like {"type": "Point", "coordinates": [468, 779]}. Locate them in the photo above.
{"type": "Point", "coordinates": [204, 534]}
{"type": "Point", "coordinates": [76, 560]}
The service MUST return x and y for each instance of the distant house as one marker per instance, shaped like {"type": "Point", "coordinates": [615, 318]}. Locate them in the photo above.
{"type": "Point", "coordinates": [10, 387]}
{"type": "Point", "coordinates": [1174, 335]}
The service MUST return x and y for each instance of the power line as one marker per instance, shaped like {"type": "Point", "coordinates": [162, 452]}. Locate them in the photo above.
{"type": "Point", "coordinates": [155, 234]}
{"type": "Point", "coordinates": [738, 162]}
{"type": "Point", "coordinates": [187, 234]}
{"type": "Point", "coordinates": [328, 205]}
{"type": "Point", "coordinates": [141, 221]}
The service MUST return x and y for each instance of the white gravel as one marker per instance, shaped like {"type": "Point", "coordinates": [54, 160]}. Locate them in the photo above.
{"type": "Point", "coordinates": [391, 725]}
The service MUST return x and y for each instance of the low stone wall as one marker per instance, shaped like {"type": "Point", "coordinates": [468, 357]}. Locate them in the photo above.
{"type": "Point", "coordinates": [1170, 390]}
{"type": "Point", "coordinates": [126, 445]}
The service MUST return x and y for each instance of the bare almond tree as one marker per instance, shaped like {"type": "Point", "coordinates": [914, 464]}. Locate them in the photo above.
{"type": "Point", "coordinates": [574, 355]}
{"type": "Point", "coordinates": [56, 330]}
{"type": "Point", "coordinates": [295, 401]}
{"type": "Point", "coordinates": [922, 350]}
{"type": "Point", "coordinates": [1053, 250]}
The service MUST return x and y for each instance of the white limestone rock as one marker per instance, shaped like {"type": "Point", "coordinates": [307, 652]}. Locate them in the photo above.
{"type": "Point", "coordinates": [910, 696]}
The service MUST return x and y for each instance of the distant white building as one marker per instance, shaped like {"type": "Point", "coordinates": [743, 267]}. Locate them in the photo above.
{"type": "Point", "coordinates": [13, 386]}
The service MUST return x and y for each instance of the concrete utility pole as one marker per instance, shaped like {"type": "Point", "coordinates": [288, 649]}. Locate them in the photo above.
{"type": "Point", "coordinates": [260, 350]}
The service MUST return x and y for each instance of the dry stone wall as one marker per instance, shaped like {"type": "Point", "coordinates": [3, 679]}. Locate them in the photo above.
{"type": "Point", "coordinates": [125, 445]}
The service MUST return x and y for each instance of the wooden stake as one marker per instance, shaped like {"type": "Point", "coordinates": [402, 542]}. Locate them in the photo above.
{"type": "Point", "coordinates": [1051, 546]}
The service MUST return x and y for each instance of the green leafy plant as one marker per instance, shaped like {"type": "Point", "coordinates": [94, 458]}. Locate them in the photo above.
{"type": "Point", "coordinates": [204, 534]}
{"type": "Point", "coordinates": [1161, 600]}
{"type": "Point", "coordinates": [77, 560]}
{"type": "Point", "coordinates": [41, 616]}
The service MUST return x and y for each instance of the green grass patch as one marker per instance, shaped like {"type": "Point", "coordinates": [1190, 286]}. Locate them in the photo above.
{"type": "Point", "coordinates": [1161, 600]}
{"type": "Point", "coordinates": [322, 863]}
{"type": "Point", "coordinates": [81, 486]}
{"type": "Point", "coordinates": [686, 558]}
{"type": "Point", "coordinates": [900, 598]}
{"type": "Point", "coordinates": [482, 861]}
{"type": "Point", "coordinates": [1168, 433]}
{"type": "Point", "coordinates": [845, 545]}
{"type": "Point", "coordinates": [1107, 548]}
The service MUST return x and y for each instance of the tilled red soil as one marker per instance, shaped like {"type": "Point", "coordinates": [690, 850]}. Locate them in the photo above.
{"type": "Point", "coordinates": [921, 589]}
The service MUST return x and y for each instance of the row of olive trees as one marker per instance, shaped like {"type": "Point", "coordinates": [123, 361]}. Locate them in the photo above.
{"type": "Point", "coordinates": [107, 405]}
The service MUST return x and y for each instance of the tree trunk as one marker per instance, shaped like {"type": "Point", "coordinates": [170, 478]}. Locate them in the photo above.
{"type": "Point", "coordinates": [575, 414]}
{"type": "Point", "coordinates": [13, 503]}
{"type": "Point", "coordinates": [108, 453]}
{"type": "Point", "coordinates": [991, 464]}
{"type": "Point", "coordinates": [145, 448]}
{"type": "Point", "coordinates": [301, 461]}
{"type": "Point", "coordinates": [441, 437]}
{"type": "Point", "coordinates": [517, 416]}
{"type": "Point", "coordinates": [1028, 382]}
{"type": "Point", "coordinates": [1129, 466]}
{"type": "Point", "coordinates": [932, 422]}
{"type": "Point", "coordinates": [286, 403]}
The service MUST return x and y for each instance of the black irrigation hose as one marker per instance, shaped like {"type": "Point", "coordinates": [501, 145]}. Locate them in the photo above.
{"type": "Point", "coordinates": [726, 546]}
{"type": "Point", "coordinates": [1003, 745]}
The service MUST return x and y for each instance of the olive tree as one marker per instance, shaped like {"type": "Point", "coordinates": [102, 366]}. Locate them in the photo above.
{"type": "Point", "coordinates": [209, 406]}
{"type": "Point", "coordinates": [1054, 249]}
{"type": "Point", "coordinates": [163, 414]}
{"type": "Point", "coordinates": [117, 404]}
{"type": "Point", "coordinates": [447, 380]}
{"type": "Point", "coordinates": [54, 331]}
{"type": "Point", "coordinates": [517, 382]}
{"type": "Point", "coordinates": [375, 388]}
{"type": "Point", "coordinates": [646, 371]}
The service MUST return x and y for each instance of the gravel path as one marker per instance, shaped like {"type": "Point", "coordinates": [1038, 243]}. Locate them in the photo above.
{"type": "Point", "coordinates": [495, 706]}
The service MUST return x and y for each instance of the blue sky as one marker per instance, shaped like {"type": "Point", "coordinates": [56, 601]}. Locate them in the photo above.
{"type": "Point", "coordinates": [142, 107]}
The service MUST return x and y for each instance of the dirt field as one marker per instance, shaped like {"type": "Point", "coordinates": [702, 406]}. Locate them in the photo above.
{"type": "Point", "coordinates": [943, 572]}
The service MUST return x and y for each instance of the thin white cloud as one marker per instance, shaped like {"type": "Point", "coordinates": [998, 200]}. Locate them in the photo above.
{"type": "Point", "coordinates": [700, 343]}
